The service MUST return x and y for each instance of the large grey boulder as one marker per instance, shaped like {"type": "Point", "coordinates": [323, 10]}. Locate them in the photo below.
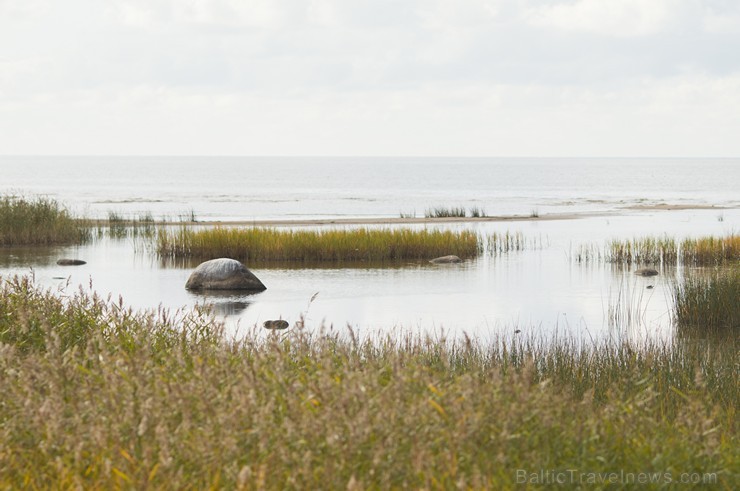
{"type": "Point", "coordinates": [646, 272]}
{"type": "Point", "coordinates": [446, 260]}
{"type": "Point", "coordinates": [223, 274]}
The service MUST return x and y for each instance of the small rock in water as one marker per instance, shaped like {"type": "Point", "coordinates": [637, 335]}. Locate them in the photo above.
{"type": "Point", "coordinates": [276, 324]}
{"type": "Point", "coordinates": [646, 272]}
{"type": "Point", "coordinates": [71, 262]}
{"type": "Point", "coordinates": [650, 287]}
{"type": "Point", "coordinates": [446, 260]}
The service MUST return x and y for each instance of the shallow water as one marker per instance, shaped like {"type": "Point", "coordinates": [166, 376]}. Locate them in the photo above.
{"type": "Point", "coordinates": [539, 291]}
{"type": "Point", "coordinates": [258, 188]}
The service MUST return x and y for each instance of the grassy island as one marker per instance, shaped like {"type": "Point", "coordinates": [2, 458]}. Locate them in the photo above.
{"type": "Point", "coordinates": [361, 244]}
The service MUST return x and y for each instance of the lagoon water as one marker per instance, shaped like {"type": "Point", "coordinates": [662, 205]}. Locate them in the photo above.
{"type": "Point", "coordinates": [541, 290]}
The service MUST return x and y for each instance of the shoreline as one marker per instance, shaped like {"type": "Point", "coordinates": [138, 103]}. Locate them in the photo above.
{"type": "Point", "coordinates": [296, 222]}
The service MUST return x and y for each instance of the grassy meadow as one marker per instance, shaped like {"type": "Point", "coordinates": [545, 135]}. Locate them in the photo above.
{"type": "Point", "coordinates": [256, 244]}
{"type": "Point", "coordinates": [38, 221]}
{"type": "Point", "coordinates": [95, 395]}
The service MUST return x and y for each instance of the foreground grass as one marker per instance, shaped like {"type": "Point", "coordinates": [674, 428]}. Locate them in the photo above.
{"type": "Point", "coordinates": [269, 244]}
{"type": "Point", "coordinates": [38, 221]}
{"type": "Point", "coordinates": [94, 395]}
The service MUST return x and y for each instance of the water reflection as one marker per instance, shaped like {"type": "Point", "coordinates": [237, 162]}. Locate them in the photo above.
{"type": "Point", "coordinates": [230, 308]}
{"type": "Point", "coordinates": [225, 302]}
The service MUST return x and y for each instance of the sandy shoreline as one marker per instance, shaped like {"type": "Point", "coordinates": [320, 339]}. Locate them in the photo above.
{"type": "Point", "coordinates": [397, 220]}
{"type": "Point", "coordinates": [424, 220]}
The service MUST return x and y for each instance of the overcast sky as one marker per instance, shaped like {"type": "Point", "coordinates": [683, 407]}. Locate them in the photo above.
{"type": "Point", "coordinates": [371, 77]}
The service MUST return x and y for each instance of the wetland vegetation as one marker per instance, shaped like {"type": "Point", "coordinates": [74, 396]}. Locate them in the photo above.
{"type": "Point", "coordinates": [709, 305]}
{"type": "Point", "coordinates": [38, 221]}
{"type": "Point", "coordinates": [331, 245]}
{"type": "Point", "coordinates": [96, 395]}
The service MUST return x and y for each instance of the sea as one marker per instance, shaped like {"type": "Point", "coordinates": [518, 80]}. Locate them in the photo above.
{"type": "Point", "coordinates": [540, 291]}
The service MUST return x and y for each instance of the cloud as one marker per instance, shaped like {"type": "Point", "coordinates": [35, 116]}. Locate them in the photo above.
{"type": "Point", "coordinates": [376, 76]}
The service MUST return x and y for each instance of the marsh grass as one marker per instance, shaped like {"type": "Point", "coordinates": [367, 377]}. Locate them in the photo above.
{"type": "Point", "coordinates": [445, 212]}
{"type": "Point", "coordinates": [334, 245]}
{"type": "Point", "coordinates": [94, 395]}
{"type": "Point", "coordinates": [711, 251]}
{"type": "Point", "coordinates": [502, 243]}
{"type": "Point", "coordinates": [709, 306]}
{"type": "Point", "coordinates": [645, 250]}
{"type": "Point", "coordinates": [118, 226]}
{"type": "Point", "coordinates": [476, 212]}
{"type": "Point", "coordinates": [586, 253]}
{"type": "Point", "coordinates": [38, 221]}
{"type": "Point", "coordinates": [455, 212]}
{"type": "Point", "coordinates": [703, 251]}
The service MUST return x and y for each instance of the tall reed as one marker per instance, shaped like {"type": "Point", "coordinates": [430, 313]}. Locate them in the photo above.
{"type": "Point", "coordinates": [646, 250]}
{"type": "Point", "coordinates": [38, 221]}
{"type": "Point", "coordinates": [501, 243]}
{"type": "Point", "coordinates": [709, 306]}
{"type": "Point", "coordinates": [119, 227]}
{"type": "Point", "coordinates": [96, 396]}
{"type": "Point", "coordinates": [707, 251]}
{"type": "Point", "coordinates": [703, 251]}
{"type": "Point", "coordinates": [270, 244]}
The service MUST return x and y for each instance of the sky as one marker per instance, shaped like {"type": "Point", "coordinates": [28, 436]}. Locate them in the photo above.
{"type": "Point", "coordinates": [557, 78]}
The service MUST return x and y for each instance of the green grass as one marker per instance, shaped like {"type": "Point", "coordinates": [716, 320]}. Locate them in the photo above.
{"type": "Point", "coordinates": [709, 306]}
{"type": "Point", "coordinates": [96, 396]}
{"type": "Point", "coordinates": [455, 212]}
{"type": "Point", "coordinates": [119, 227]}
{"type": "Point", "coordinates": [703, 251]}
{"type": "Point", "coordinates": [270, 244]}
{"type": "Point", "coordinates": [444, 212]}
{"type": "Point", "coordinates": [38, 221]}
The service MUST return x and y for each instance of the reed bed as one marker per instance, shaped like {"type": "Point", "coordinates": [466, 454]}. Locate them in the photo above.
{"type": "Point", "coordinates": [709, 306]}
{"type": "Point", "coordinates": [503, 243]}
{"type": "Point", "coordinates": [711, 251]}
{"type": "Point", "coordinates": [96, 396]}
{"type": "Point", "coordinates": [363, 244]}
{"type": "Point", "coordinates": [119, 227]}
{"type": "Point", "coordinates": [38, 221]}
{"type": "Point", "coordinates": [704, 251]}
{"type": "Point", "coordinates": [646, 250]}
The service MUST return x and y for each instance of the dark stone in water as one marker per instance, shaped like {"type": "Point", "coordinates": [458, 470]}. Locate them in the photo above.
{"type": "Point", "coordinates": [650, 287]}
{"type": "Point", "coordinates": [446, 260]}
{"type": "Point", "coordinates": [71, 262]}
{"type": "Point", "coordinates": [223, 274]}
{"type": "Point", "coordinates": [646, 272]}
{"type": "Point", "coordinates": [276, 324]}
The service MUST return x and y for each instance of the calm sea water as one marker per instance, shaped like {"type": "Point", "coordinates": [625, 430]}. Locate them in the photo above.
{"type": "Point", "coordinates": [540, 290]}
{"type": "Point", "coordinates": [247, 188]}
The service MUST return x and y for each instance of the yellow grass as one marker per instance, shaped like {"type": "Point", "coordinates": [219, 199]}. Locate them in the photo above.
{"type": "Point", "coordinates": [361, 244]}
